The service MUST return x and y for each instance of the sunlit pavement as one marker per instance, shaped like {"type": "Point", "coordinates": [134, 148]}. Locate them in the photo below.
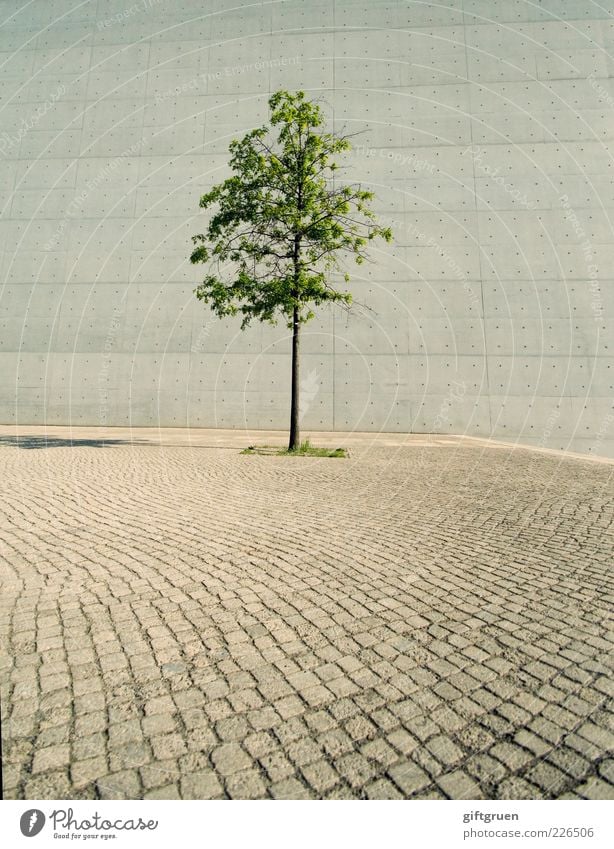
{"type": "Point", "coordinates": [429, 618]}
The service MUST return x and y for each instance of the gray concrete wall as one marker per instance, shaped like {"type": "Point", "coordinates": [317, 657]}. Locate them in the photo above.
{"type": "Point", "coordinates": [487, 132]}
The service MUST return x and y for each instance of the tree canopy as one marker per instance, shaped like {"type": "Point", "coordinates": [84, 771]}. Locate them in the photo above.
{"type": "Point", "coordinates": [283, 223]}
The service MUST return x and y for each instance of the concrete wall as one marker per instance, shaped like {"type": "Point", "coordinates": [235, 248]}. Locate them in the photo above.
{"type": "Point", "coordinates": [486, 131]}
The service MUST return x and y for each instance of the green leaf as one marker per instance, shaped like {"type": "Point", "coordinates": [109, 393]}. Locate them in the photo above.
{"type": "Point", "coordinates": [279, 226]}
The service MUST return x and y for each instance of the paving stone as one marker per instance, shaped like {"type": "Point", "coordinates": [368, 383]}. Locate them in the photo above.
{"type": "Point", "coordinates": [51, 758]}
{"type": "Point", "coordinates": [49, 785]}
{"type": "Point", "coordinates": [382, 789]}
{"type": "Point", "coordinates": [277, 766]}
{"type": "Point", "coordinates": [246, 784]}
{"type": "Point", "coordinates": [485, 768]}
{"type": "Point", "coordinates": [289, 789]}
{"type": "Point", "coordinates": [606, 770]}
{"type": "Point", "coordinates": [512, 756]}
{"type": "Point", "coordinates": [168, 746]}
{"type": "Point", "coordinates": [202, 660]}
{"type": "Point", "coordinates": [552, 781]}
{"type": "Point", "coordinates": [230, 758]}
{"type": "Point", "coordinates": [380, 751]}
{"type": "Point", "coordinates": [85, 771]}
{"type": "Point", "coordinates": [532, 742]}
{"type": "Point", "coordinates": [159, 723]}
{"type": "Point", "coordinates": [445, 750]}
{"type": "Point", "coordinates": [303, 751]}
{"type": "Point", "coordinates": [459, 785]}
{"type": "Point", "coordinates": [170, 791]}
{"type": "Point", "coordinates": [84, 748]}
{"type": "Point", "coordinates": [289, 706]}
{"type": "Point", "coordinates": [120, 785]}
{"type": "Point", "coordinates": [320, 776]}
{"type": "Point", "coordinates": [355, 768]}
{"type": "Point", "coordinates": [403, 741]}
{"type": "Point", "coordinates": [595, 788]}
{"type": "Point", "coordinates": [598, 736]}
{"type": "Point", "coordinates": [121, 733]}
{"type": "Point", "coordinates": [161, 773]}
{"type": "Point", "coordinates": [129, 756]}
{"type": "Point", "coordinates": [260, 744]}
{"type": "Point", "coordinates": [159, 705]}
{"type": "Point", "coordinates": [409, 778]}
{"type": "Point", "coordinates": [517, 788]}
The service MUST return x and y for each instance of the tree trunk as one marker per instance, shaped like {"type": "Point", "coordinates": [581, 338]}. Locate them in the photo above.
{"type": "Point", "coordinates": [295, 436]}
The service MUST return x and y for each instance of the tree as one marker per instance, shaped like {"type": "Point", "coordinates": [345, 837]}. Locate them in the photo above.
{"type": "Point", "coordinates": [282, 225]}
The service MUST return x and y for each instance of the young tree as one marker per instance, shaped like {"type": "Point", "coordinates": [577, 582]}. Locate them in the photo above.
{"type": "Point", "coordinates": [282, 226]}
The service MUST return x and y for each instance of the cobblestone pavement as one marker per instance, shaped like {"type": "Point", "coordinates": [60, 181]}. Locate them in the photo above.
{"type": "Point", "coordinates": [419, 621]}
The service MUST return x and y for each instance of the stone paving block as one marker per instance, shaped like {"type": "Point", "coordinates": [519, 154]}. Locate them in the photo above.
{"type": "Point", "coordinates": [84, 772]}
{"type": "Point", "coordinates": [291, 788]}
{"type": "Point", "coordinates": [168, 746]}
{"type": "Point", "coordinates": [606, 770]}
{"type": "Point", "coordinates": [595, 788]}
{"type": "Point", "coordinates": [355, 768]}
{"type": "Point", "coordinates": [289, 706]}
{"type": "Point", "coordinates": [277, 766]}
{"type": "Point", "coordinates": [303, 751]}
{"type": "Point", "coordinates": [409, 778]}
{"type": "Point", "coordinates": [51, 758]}
{"type": "Point", "coordinates": [120, 785]}
{"type": "Point", "coordinates": [382, 789]}
{"type": "Point", "coordinates": [600, 737]}
{"type": "Point", "coordinates": [552, 781]}
{"type": "Point", "coordinates": [532, 742]}
{"type": "Point", "coordinates": [319, 721]}
{"type": "Point", "coordinates": [247, 672]}
{"type": "Point", "coordinates": [49, 785]}
{"type": "Point", "coordinates": [129, 756]}
{"type": "Point", "coordinates": [517, 788]}
{"type": "Point", "coordinates": [380, 751]}
{"type": "Point", "coordinates": [485, 769]}
{"type": "Point", "coordinates": [445, 750]}
{"type": "Point", "coordinates": [160, 705]}
{"type": "Point", "coordinates": [230, 758]}
{"type": "Point", "coordinates": [160, 773]}
{"type": "Point", "coordinates": [84, 748]}
{"type": "Point", "coordinates": [246, 784]}
{"type": "Point", "coordinates": [320, 776]}
{"type": "Point", "coordinates": [336, 743]}
{"type": "Point", "coordinates": [459, 785]}
{"type": "Point", "coordinates": [170, 791]}
{"type": "Point", "coordinates": [260, 744]}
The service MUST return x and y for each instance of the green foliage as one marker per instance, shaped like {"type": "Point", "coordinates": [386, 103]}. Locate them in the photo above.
{"type": "Point", "coordinates": [305, 449]}
{"type": "Point", "coordinates": [282, 224]}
